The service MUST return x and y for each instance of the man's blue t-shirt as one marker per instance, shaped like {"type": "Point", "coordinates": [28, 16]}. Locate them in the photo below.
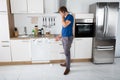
{"type": "Point", "coordinates": [67, 31]}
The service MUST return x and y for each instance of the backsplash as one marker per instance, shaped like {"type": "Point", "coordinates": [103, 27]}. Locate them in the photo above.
{"type": "Point", "coordinates": [53, 21]}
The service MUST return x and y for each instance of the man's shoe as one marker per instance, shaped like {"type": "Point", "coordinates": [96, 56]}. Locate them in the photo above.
{"type": "Point", "coordinates": [66, 71]}
{"type": "Point", "coordinates": [64, 64]}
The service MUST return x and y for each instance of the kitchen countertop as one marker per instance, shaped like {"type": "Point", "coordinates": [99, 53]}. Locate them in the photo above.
{"type": "Point", "coordinates": [51, 36]}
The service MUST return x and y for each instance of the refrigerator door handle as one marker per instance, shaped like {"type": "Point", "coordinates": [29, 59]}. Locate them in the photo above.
{"type": "Point", "coordinates": [106, 31]}
{"type": "Point", "coordinates": [105, 20]}
{"type": "Point", "coordinates": [104, 46]}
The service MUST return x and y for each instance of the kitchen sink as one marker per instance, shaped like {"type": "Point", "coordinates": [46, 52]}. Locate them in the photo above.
{"type": "Point", "coordinates": [23, 36]}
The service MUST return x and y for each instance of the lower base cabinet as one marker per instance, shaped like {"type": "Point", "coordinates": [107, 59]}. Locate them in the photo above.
{"type": "Point", "coordinates": [21, 50]}
{"type": "Point", "coordinates": [83, 48]}
{"type": "Point", "coordinates": [5, 54]}
{"type": "Point", "coordinates": [46, 51]}
{"type": "Point", "coordinates": [38, 50]}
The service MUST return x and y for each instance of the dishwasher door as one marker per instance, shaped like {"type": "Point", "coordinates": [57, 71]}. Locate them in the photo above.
{"type": "Point", "coordinates": [39, 52]}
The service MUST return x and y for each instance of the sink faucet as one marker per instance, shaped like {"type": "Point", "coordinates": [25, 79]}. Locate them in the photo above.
{"type": "Point", "coordinates": [25, 30]}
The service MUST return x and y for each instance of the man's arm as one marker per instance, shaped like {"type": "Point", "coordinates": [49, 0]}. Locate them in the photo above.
{"type": "Point", "coordinates": [65, 23]}
{"type": "Point", "coordinates": [58, 37]}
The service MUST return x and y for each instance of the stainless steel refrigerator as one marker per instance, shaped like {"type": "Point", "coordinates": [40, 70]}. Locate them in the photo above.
{"type": "Point", "coordinates": [105, 19]}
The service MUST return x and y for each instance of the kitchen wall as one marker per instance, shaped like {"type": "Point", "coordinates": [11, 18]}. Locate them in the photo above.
{"type": "Point", "coordinates": [74, 6]}
{"type": "Point", "coordinates": [30, 20]}
{"type": "Point", "coordinates": [82, 6]}
{"type": "Point", "coordinates": [117, 53]}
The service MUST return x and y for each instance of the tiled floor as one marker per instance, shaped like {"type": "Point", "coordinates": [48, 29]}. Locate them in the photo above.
{"type": "Point", "coordinates": [79, 71]}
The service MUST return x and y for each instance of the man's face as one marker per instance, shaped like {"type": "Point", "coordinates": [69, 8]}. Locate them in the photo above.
{"type": "Point", "coordinates": [62, 14]}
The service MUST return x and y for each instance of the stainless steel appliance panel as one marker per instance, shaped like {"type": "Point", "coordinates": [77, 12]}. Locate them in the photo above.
{"type": "Point", "coordinates": [112, 19]}
{"type": "Point", "coordinates": [104, 42]}
{"type": "Point", "coordinates": [103, 56]}
{"type": "Point", "coordinates": [103, 51]}
{"type": "Point", "coordinates": [84, 28]}
{"type": "Point", "coordinates": [106, 20]}
{"type": "Point", "coordinates": [106, 16]}
{"type": "Point", "coordinates": [100, 19]}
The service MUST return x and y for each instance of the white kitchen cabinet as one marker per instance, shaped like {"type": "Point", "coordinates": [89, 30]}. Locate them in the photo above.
{"type": "Point", "coordinates": [51, 6]}
{"type": "Point", "coordinates": [35, 6]}
{"type": "Point", "coordinates": [72, 49]}
{"type": "Point", "coordinates": [83, 48]}
{"type": "Point", "coordinates": [27, 6]}
{"type": "Point", "coordinates": [18, 6]}
{"type": "Point", "coordinates": [39, 50]}
{"type": "Point", "coordinates": [4, 27]}
{"type": "Point", "coordinates": [5, 55]}
{"type": "Point", "coordinates": [57, 52]}
{"type": "Point", "coordinates": [46, 50]}
{"type": "Point", "coordinates": [21, 50]}
{"type": "Point", "coordinates": [3, 5]}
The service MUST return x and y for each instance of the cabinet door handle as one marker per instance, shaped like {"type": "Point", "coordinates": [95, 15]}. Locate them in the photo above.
{"type": "Point", "coordinates": [5, 41]}
{"type": "Point", "coordinates": [2, 11]}
{"type": "Point", "coordinates": [5, 46]}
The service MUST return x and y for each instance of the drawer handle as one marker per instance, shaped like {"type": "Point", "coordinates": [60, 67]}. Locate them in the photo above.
{"type": "Point", "coordinates": [60, 44]}
{"type": "Point", "coordinates": [105, 49]}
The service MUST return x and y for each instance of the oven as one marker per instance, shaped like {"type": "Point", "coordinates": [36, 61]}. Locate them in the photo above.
{"type": "Point", "coordinates": [84, 28]}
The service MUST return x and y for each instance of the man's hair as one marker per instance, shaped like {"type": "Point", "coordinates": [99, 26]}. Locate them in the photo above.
{"type": "Point", "coordinates": [63, 9]}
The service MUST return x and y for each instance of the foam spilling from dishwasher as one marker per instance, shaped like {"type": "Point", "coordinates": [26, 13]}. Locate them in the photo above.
{"type": "Point", "coordinates": [44, 41]}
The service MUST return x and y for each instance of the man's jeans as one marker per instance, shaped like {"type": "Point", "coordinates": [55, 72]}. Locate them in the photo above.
{"type": "Point", "coordinates": [67, 41]}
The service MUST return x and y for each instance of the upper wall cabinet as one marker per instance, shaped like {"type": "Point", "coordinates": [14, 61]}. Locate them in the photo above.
{"type": "Point", "coordinates": [35, 6]}
{"type": "Point", "coordinates": [18, 6]}
{"type": "Point", "coordinates": [27, 6]}
{"type": "Point", "coordinates": [51, 6]}
{"type": "Point", "coordinates": [3, 5]}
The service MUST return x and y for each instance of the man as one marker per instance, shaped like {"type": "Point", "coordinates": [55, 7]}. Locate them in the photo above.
{"type": "Point", "coordinates": [67, 35]}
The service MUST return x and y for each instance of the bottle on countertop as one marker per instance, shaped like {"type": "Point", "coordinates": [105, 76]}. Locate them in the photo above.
{"type": "Point", "coordinates": [33, 32]}
{"type": "Point", "coordinates": [36, 31]}
{"type": "Point", "coordinates": [16, 32]}
{"type": "Point", "coordinates": [41, 31]}
{"type": "Point", "coordinates": [25, 30]}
